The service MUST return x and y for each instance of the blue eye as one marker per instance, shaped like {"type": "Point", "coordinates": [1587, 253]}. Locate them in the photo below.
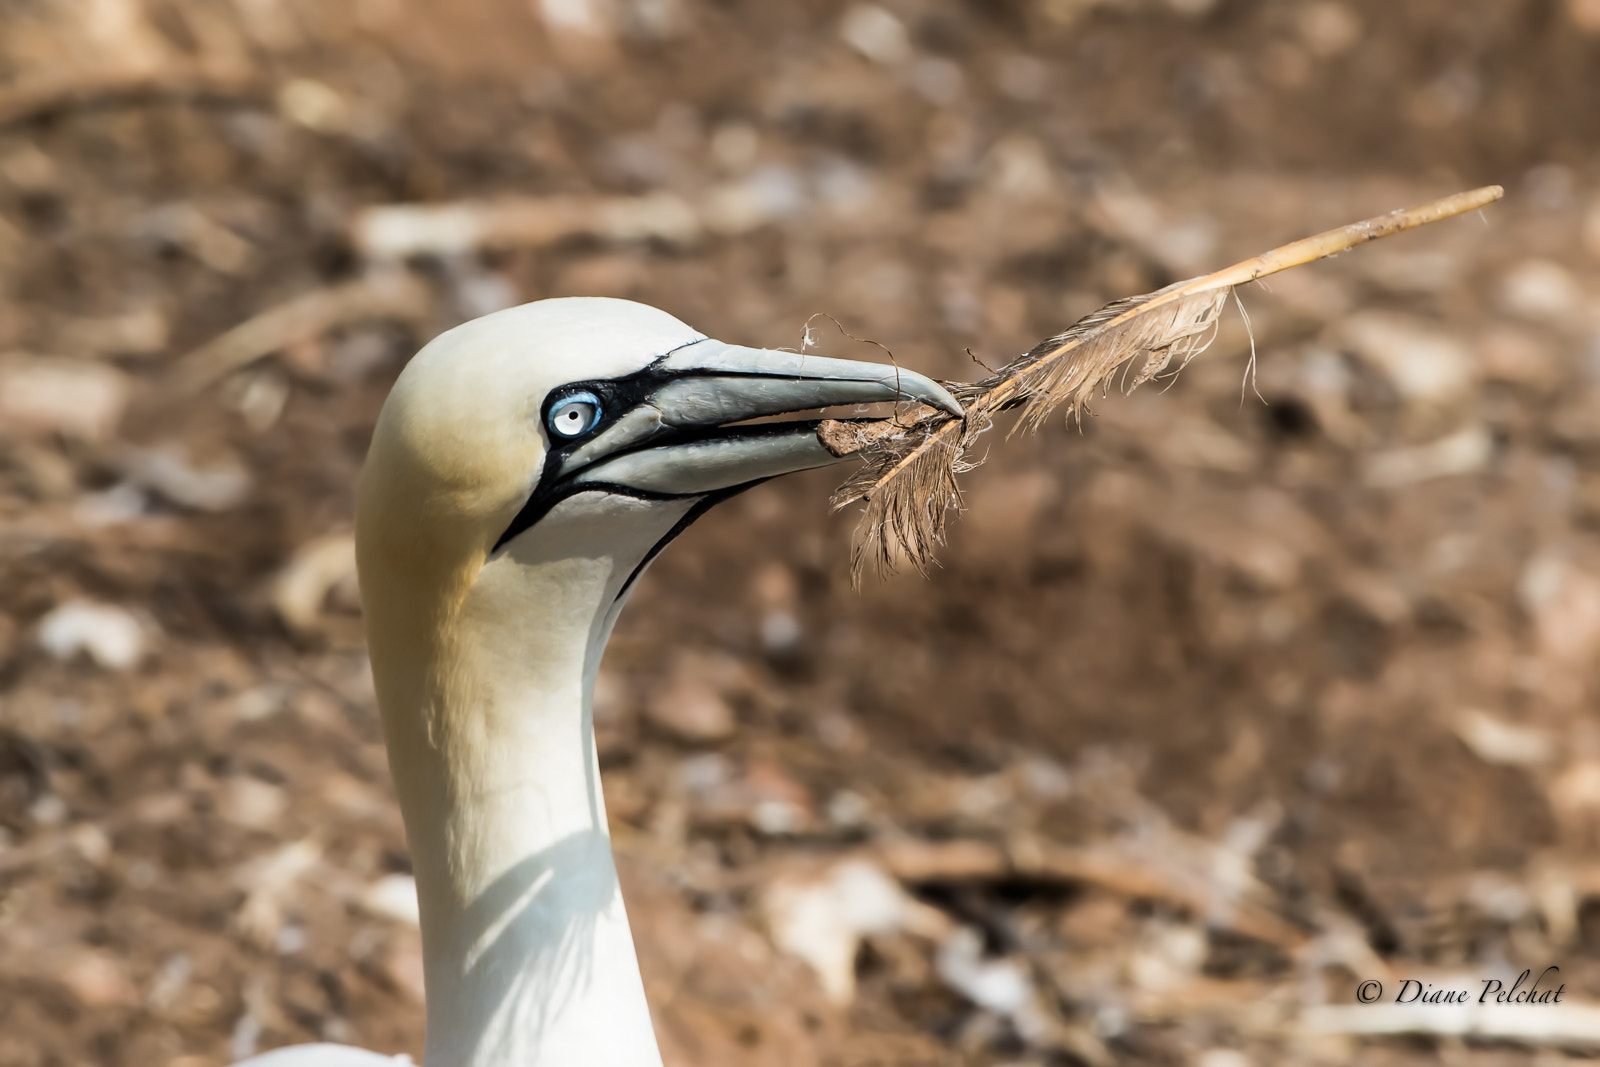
{"type": "Point", "coordinates": [574, 415]}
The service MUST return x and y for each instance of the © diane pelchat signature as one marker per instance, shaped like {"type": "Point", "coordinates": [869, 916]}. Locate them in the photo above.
{"type": "Point", "coordinates": [1545, 989]}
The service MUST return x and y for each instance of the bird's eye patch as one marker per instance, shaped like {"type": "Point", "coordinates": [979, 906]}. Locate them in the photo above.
{"type": "Point", "coordinates": [574, 415]}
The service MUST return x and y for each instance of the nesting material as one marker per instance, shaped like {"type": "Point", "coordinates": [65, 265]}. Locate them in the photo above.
{"type": "Point", "coordinates": [59, 91]}
{"type": "Point", "coordinates": [301, 587]}
{"type": "Point", "coordinates": [74, 397]}
{"type": "Point", "coordinates": [110, 636]}
{"type": "Point", "coordinates": [223, 481]}
{"type": "Point", "coordinates": [908, 480]}
{"type": "Point", "coordinates": [1002, 986]}
{"type": "Point", "coordinates": [1461, 452]}
{"type": "Point", "coordinates": [380, 295]}
{"type": "Point", "coordinates": [395, 231]}
{"type": "Point", "coordinates": [822, 920]}
{"type": "Point", "coordinates": [393, 897]}
{"type": "Point", "coordinates": [267, 883]}
{"type": "Point", "coordinates": [1494, 740]}
{"type": "Point", "coordinates": [1568, 1024]}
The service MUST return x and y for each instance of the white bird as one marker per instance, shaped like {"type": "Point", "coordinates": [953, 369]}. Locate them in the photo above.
{"type": "Point", "coordinates": [525, 469]}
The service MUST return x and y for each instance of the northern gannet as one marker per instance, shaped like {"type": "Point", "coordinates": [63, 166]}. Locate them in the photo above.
{"type": "Point", "coordinates": [525, 468]}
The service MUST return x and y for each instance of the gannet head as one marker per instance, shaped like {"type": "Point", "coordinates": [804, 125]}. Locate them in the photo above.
{"type": "Point", "coordinates": [584, 429]}
{"type": "Point", "coordinates": [524, 469]}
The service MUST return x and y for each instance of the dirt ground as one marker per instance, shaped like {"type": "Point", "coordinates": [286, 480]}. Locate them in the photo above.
{"type": "Point", "coordinates": [1242, 694]}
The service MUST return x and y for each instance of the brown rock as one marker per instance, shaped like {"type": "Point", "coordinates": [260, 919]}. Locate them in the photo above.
{"type": "Point", "coordinates": [1585, 15]}
{"type": "Point", "coordinates": [689, 703]}
{"type": "Point", "coordinates": [97, 980]}
{"type": "Point", "coordinates": [1425, 365]}
{"type": "Point", "coordinates": [1543, 291]}
{"type": "Point", "coordinates": [1517, 357]}
{"type": "Point", "coordinates": [251, 803]}
{"type": "Point", "coordinates": [1563, 601]}
{"type": "Point", "coordinates": [1591, 217]}
{"type": "Point", "coordinates": [401, 966]}
{"type": "Point", "coordinates": [79, 398]}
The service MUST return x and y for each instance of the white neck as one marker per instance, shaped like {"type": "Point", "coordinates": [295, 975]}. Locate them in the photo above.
{"type": "Point", "coordinates": [528, 957]}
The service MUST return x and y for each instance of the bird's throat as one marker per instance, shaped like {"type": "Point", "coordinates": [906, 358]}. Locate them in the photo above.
{"type": "Point", "coordinates": [528, 956]}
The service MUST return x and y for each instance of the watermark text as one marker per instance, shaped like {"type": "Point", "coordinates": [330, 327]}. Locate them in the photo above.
{"type": "Point", "coordinates": [1526, 989]}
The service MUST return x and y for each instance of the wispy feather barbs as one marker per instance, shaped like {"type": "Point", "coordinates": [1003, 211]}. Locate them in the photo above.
{"type": "Point", "coordinates": [1114, 337]}
{"type": "Point", "coordinates": [907, 479]}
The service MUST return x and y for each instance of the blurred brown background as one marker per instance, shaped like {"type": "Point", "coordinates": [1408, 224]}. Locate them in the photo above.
{"type": "Point", "coordinates": [1215, 707]}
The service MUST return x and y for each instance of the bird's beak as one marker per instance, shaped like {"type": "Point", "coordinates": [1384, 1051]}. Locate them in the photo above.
{"type": "Point", "coordinates": [670, 429]}
{"type": "Point", "coordinates": [677, 439]}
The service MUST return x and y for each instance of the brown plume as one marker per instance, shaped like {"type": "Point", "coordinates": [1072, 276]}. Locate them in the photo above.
{"type": "Point", "coordinates": [910, 462]}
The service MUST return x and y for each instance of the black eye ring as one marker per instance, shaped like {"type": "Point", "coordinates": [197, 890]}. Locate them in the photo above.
{"type": "Point", "coordinates": [574, 415]}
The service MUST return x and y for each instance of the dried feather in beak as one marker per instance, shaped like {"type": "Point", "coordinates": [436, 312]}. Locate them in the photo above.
{"type": "Point", "coordinates": [910, 462]}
